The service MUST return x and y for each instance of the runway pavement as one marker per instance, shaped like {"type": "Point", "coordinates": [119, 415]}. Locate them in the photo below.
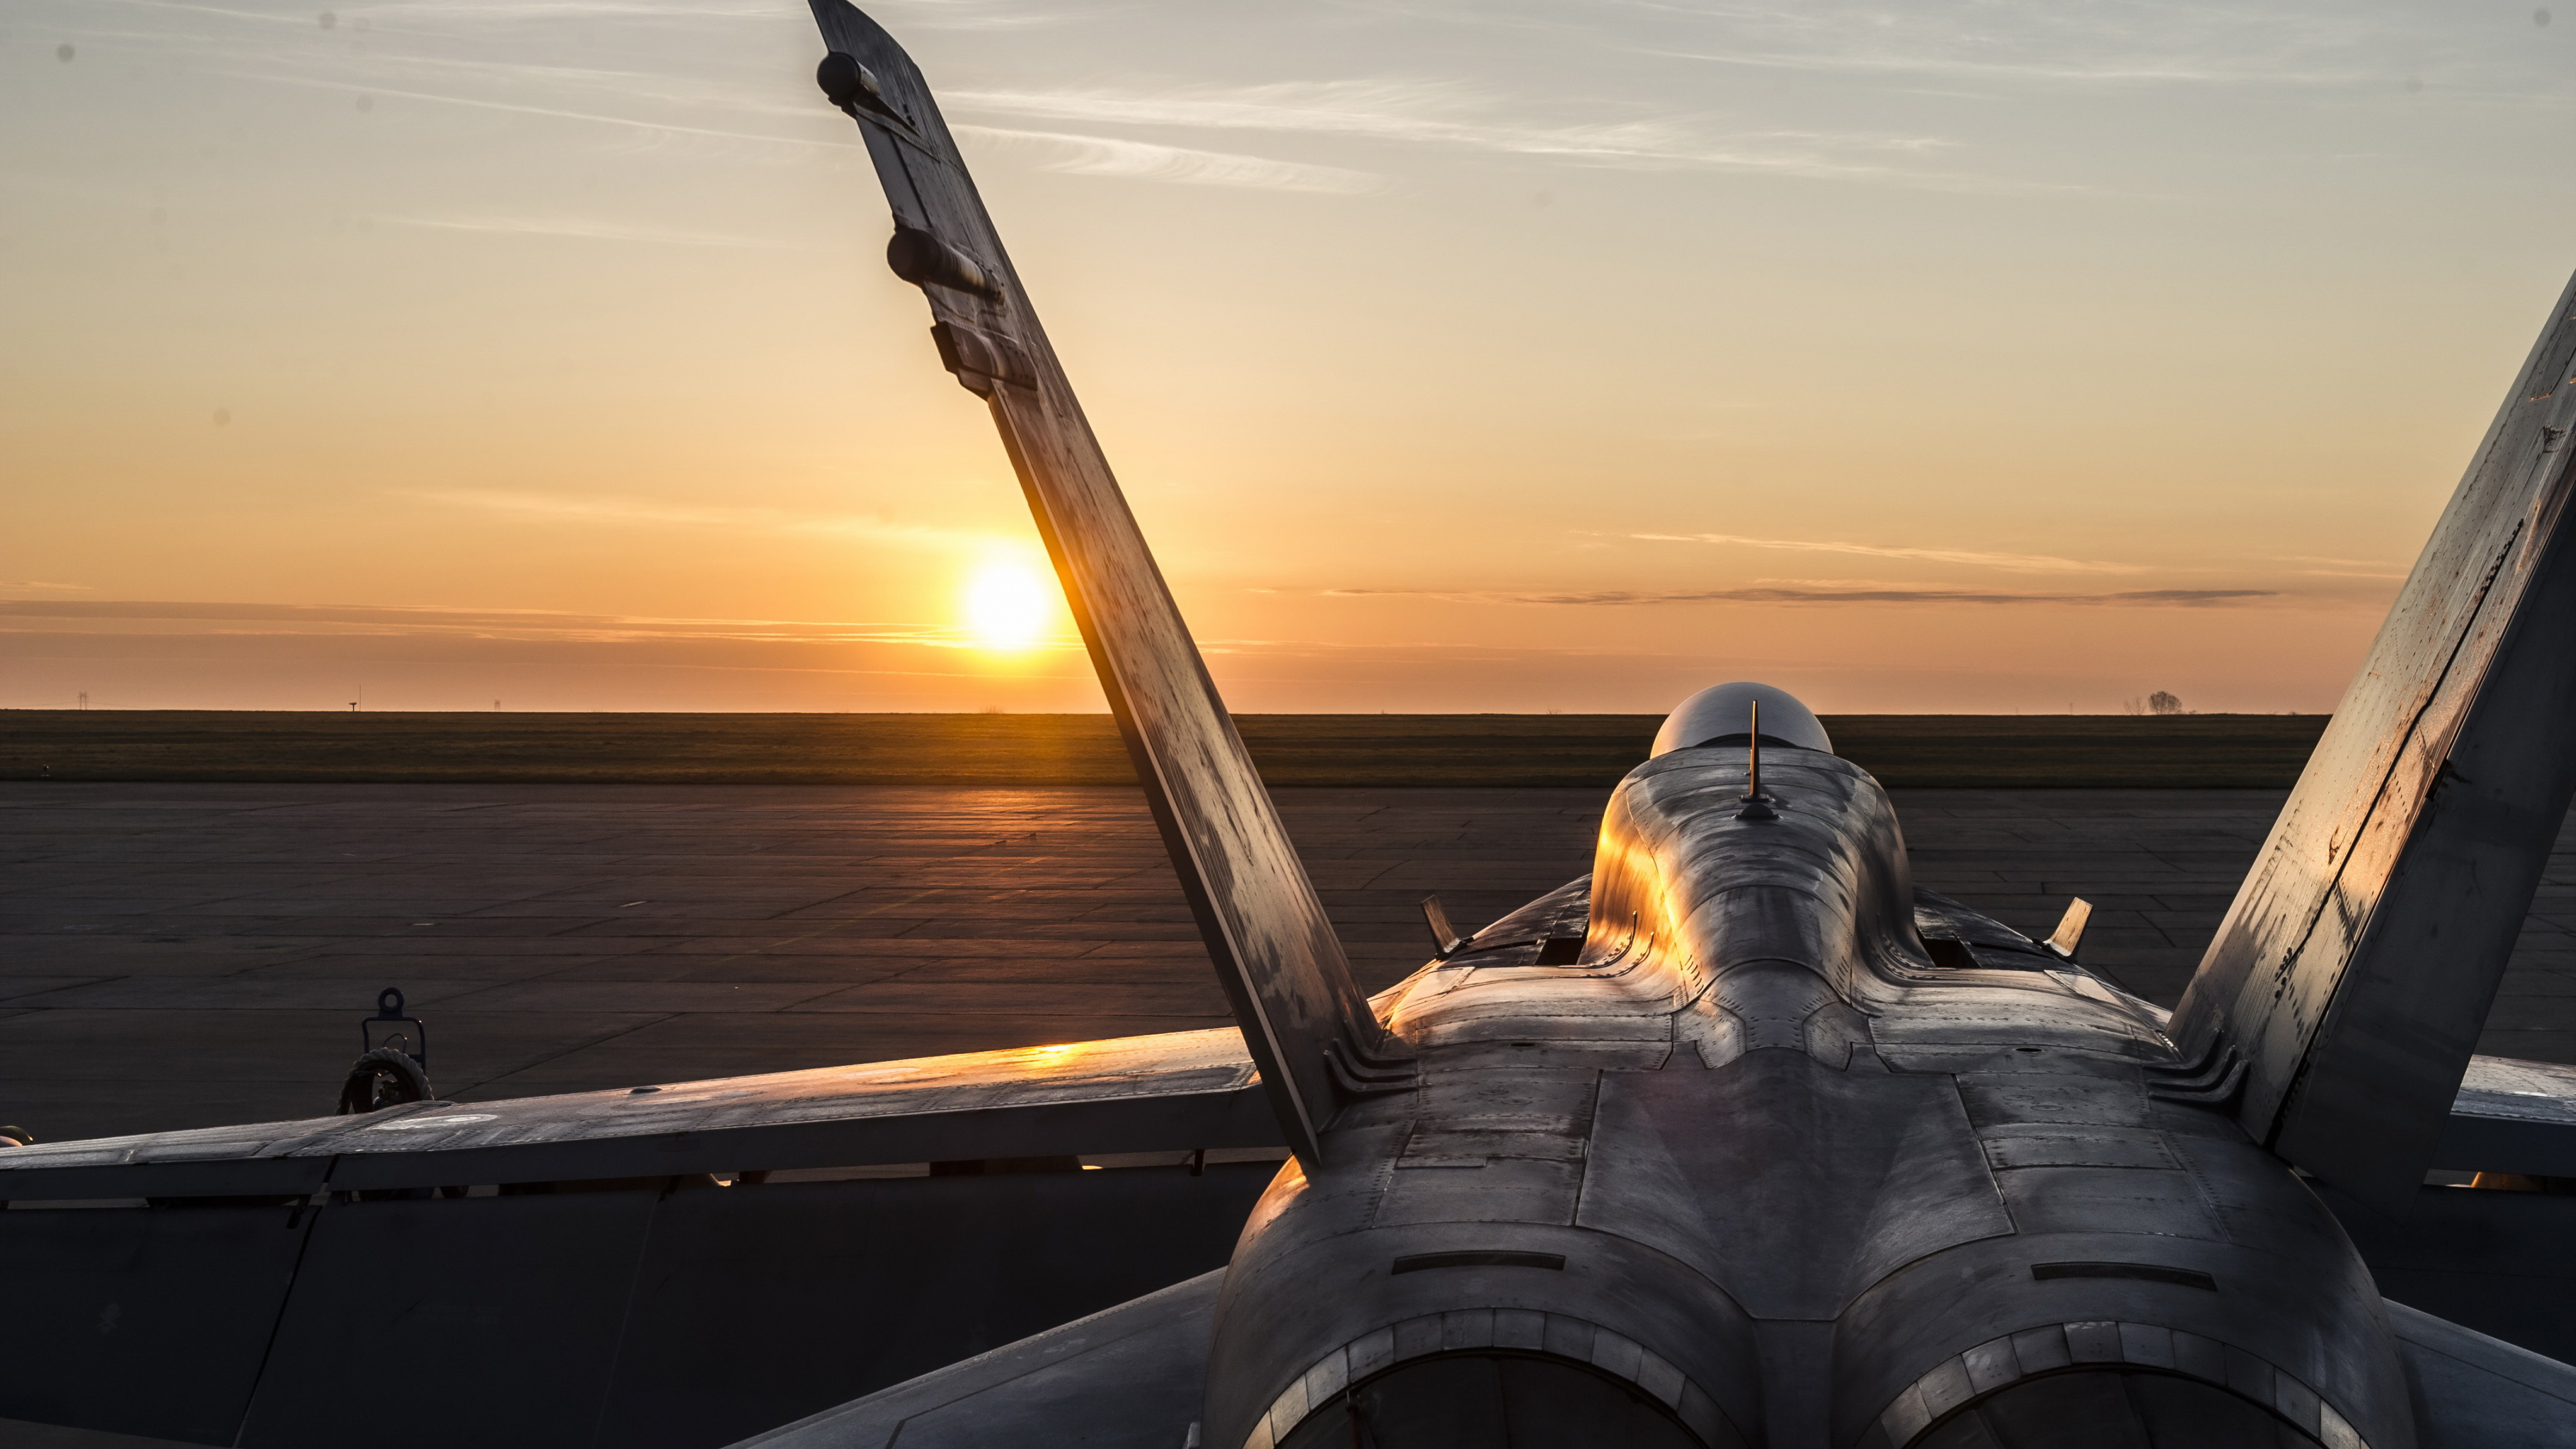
{"type": "Point", "coordinates": [176, 955]}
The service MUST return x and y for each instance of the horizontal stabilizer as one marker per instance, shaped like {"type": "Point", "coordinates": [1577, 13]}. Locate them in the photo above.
{"type": "Point", "coordinates": [2354, 971]}
{"type": "Point", "coordinates": [1126, 1378]}
{"type": "Point", "coordinates": [2476, 1392]}
{"type": "Point", "coordinates": [1283, 970]}
{"type": "Point", "coordinates": [2512, 1117]}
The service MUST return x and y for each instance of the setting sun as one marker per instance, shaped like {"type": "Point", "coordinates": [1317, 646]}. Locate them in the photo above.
{"type": "Point", "coordinates": [1008, 604]}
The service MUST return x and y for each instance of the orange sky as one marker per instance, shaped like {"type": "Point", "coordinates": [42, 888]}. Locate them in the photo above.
{"type": "Point", "coordinates": [1520, 356]}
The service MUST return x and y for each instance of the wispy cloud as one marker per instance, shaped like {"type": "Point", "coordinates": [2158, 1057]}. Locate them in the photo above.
{"type": "Point", "coordinates": [2108, 42]}
{"type": "Point", "coordinates": [39, 586]}
{"type": "Point", "coordinates": [2343, 568]}
{"type": "Point", "coordinates": [576, 228]}
{"type": "Point", "coordinates": [1613, 130]}
{"type": "Point", "coordinates": [2134, 598]}
{"type": "Point", "coordinates": [446, 14]}
{"type": "Point", "coordinates": [532, 625]}
{"type": "Point", "coordinates": [667, 128]}
{"type": "Point", "coordinates": [1150, 161]}
{"type": "Point", "coordinates": [2012, 562]}
{"type": "Point", "coordinates": [975, 15]}
{"type": "Point", "coordinates": [1405, 110]}
{"type": "Point", "coordinates": [599, 509]}
{"type": "Point", "coordinates": [2111, 70]}
{"type": "Point", "coordinates": [481, 10]}
{"type": "Point", "coordinates": [622, 85]}
{"type": "Point", "coordinates": [1445, 113]}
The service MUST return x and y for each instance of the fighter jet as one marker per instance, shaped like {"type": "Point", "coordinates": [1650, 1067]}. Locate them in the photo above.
{"type": "Point", "coordinates": [1737, 1140]}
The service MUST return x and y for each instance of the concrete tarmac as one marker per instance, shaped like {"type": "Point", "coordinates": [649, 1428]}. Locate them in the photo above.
{"type": "Point", "coordinates": [180, 955]}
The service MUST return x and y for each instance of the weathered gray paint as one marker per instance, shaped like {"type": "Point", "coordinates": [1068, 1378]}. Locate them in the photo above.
{"type": "Point", "coordinates": [665, 1315]}
{"type": "Point", "coordinates": [2355, 968]}
{"type": "Point", "coordinates": [2512, 1116]}
{"type": "Point", "coordinates": [2499, 1262]}
{"type": "Point", "coordinates": [1754, 1154]}
{"type": "Point", "coordinates": [1175, 1091]}
{"type": "Point", "coordinates": [1802, 1180]}
{"type": "Point", "coordinates": [451, 1283]}
{"type": "Point", "coordinates": [142, 1321]}
{"type": "Point", "coordinates": [1275, 952]}
{"type": "Point", "coordinates": [2472, 1392]}
{"type": "Point", "coordinates": [1127, 1378]}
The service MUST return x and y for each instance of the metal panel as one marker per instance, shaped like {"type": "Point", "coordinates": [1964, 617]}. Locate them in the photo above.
{"type": "Point", "coordinates": [2495, 1261]}
{"type": "Point", "coordinates": [1775, 1171]}
{"type": "Point", "coordinates": [2356, 966]}
{"type": "Point", "coordinates": [243, 1161]}
{"type": "Point", "coordinates": [2512, 1116]}
{"type": "Point", "coordinates": [2473, 1392]}
{"type": "Point", "coordinates": [1923, 1164]}
{"type": "Point", "coordinates": [472, 1321]}
{"type": "Point", "coordinates": [1283, 970]}
{"type": "Point", "coordinates": [1174, 1091]}
{"type": "Point", "coordinates": [758, 1305]}
{"type": "Point", "coordinates": [651, 1318]}
{"type": "Point", "coordinates": [142, 1320]}
{"type": "Point", "coordinates": [1127, 1378]}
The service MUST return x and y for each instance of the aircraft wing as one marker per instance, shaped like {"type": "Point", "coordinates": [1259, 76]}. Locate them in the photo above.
{"type": "Point", "coordinates": [2344, 992]}
{"type": "Point", "coordinates": [580, 1272]}
{"type": "Point", "coordinates": [1176, 1091]}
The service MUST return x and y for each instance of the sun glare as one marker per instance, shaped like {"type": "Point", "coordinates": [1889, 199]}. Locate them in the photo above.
{"type": "Point", "coordinates": [1008, 605]}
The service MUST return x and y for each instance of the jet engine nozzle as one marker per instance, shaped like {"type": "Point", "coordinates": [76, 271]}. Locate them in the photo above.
{"type": "Point", "coordinates": [1723, 713]}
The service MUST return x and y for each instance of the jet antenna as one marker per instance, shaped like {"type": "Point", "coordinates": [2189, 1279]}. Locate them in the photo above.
{"type": "Point", "coordinates": [1757, 806]}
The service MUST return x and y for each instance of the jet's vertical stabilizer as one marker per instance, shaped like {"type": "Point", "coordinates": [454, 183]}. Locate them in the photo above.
{"type": "Point", "coordinates": [2352, 975]}
{"type": "Point", "coordinates": [1291, 989]}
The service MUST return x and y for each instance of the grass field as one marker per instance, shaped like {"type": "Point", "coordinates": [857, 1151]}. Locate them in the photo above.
{"type": "Point", "coordinates": [1989, 751]}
